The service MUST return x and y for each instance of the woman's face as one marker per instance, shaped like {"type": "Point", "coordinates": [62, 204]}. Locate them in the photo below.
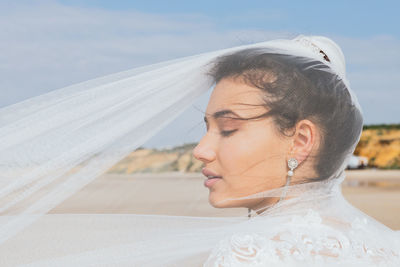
{"type": "Point", "coordinates": [248, 154]}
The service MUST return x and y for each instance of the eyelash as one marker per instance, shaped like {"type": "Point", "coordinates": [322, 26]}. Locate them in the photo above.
{"type": "Point", "coordinates": [227, 133]}
{"type": "Point", "coordinates": [224, 133]}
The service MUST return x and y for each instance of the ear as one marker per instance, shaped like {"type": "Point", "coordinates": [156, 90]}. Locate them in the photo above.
{"type": "Point", "coordinates": [303, 140]}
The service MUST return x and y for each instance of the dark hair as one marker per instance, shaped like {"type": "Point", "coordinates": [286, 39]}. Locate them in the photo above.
{"type": "Point", "coordinates": [301, 88]}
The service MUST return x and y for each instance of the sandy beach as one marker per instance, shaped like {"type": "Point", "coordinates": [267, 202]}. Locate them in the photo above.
{"type": "Point", "coordinates": [375, 192]}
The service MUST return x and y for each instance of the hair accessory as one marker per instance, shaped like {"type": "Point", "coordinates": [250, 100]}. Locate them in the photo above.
{"type": "Point", "coordinates": [303, 40]}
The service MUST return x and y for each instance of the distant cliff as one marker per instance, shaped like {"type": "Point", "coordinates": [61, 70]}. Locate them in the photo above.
{"type": "Point", "coordinates": [179, 158]}
{"type": "Point", "coordinates": [379, 143]}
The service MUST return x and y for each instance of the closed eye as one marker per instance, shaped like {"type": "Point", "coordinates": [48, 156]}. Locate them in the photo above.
{"type": "Point", "coordinates": [227, 133]}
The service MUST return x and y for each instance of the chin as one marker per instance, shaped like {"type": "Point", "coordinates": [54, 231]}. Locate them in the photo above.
{"type": "Point", "coordinates": [217, 202]}
{"type": "Point", "coordinates": [213, 202]}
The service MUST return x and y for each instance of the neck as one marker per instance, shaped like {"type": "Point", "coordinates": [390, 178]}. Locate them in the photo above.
{"type": "Point", "coordinates": [267, 203]}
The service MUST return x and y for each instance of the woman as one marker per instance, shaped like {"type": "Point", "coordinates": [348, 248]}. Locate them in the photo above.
{"type": "Point", "coordinates": [275, 108]}
{"type": "Point", "coordinates": [281, 123]}
{"type": "Point", "coordinates": [274, 120]}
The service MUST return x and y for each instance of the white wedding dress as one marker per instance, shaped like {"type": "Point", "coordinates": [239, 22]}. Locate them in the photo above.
{"type": "Point", "coordinates": [53, 145]}
{"type": "Point", "coordinates": [326, 231]}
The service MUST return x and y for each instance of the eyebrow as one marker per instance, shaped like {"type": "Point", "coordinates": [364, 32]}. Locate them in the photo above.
{"type": "Point", "coordinates": [221, 113]}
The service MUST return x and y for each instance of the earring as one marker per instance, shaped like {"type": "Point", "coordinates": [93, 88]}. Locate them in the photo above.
{"type": "Point", "coordinates": [292, 164]}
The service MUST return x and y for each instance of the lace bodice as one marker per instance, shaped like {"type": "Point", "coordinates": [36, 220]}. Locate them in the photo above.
{"type": "Point", "coordinates": [307, 240]}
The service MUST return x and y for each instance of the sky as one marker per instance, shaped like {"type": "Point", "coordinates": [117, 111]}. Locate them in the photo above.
{"type": "Point", "coordinates": [47, 45]}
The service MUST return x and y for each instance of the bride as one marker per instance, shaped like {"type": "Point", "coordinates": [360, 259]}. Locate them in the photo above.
{"type": "Point", "coordinates": [272, 116]}
{"type": "Point", "coordinates": [282, 123]}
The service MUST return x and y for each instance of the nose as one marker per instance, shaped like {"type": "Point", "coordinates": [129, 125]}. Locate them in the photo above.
{"type": "Point", "coordinates": [204, 152]}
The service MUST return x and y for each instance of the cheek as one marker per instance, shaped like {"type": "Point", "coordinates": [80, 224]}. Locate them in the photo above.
{"type": "Point", "coordinates": [236, 150]}
{"type": "Point", "coordinates": [254, 152]}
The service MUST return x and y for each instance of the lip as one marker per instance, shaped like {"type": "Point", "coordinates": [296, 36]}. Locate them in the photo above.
{"type": "Point", "coordinates": [210, 181]}
{"type": "Point", "coordinates": [206, 172]}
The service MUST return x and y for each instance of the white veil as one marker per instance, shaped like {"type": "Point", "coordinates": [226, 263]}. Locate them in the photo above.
{"type": "Point", "coordinates": [52, 145]}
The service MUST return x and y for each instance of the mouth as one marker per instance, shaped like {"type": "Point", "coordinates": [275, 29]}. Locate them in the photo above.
{"type": "Point", "coordinates": [210, 174]}
{"type": "Point", "coordinates": [212, 177]}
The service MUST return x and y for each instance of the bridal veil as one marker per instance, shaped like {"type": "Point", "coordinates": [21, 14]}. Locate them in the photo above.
{"type": "Point", "coordinates": [53, 145]}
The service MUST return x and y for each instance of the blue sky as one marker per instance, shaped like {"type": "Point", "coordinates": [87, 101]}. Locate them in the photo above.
{"type": "Point", "coordinates": [355, 18]}
{"type": "Point", "coordinates": [50, 44]}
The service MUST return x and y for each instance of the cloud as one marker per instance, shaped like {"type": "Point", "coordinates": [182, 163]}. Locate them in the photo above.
{"type": "Point", "coordinates": [46, 45]}
{"type": "Point", "coordinates": [373, 65]}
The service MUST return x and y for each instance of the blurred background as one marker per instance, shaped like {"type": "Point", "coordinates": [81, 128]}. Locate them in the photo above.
{"type": "Point", "coordinates": [47, 45]}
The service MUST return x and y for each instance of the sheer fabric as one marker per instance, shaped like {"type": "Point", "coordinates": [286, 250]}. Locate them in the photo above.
{"type": "Point", "coordinates": [52, 145]}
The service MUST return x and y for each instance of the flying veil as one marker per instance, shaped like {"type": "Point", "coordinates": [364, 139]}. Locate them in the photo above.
{"type": "Point", "coordinates": [53, 145]}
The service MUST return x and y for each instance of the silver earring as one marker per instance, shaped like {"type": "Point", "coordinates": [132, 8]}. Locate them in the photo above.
{"type": "Point", "coordinates": [292, 164]}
